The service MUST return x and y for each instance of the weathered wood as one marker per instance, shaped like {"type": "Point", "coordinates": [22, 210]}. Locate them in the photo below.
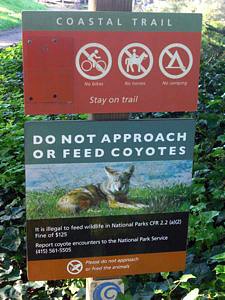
{"type": "Point", "coordinates": [110, 5]}
{"type": "Point", "coordinates": [106, 5]}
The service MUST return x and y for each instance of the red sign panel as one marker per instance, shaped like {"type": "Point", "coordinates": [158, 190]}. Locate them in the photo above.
{"type": "Point", "coordinates": [93, 71]}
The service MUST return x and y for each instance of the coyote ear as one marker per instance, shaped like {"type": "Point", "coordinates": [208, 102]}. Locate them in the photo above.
{"type": "Point", "coordinates": [130, 170]}
{"type": "Point", "coordinates": [110, 171]}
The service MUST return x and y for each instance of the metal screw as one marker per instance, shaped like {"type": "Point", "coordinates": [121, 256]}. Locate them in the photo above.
{"type": "Point", "coordinates": [45, 48]}
{"type": "Point", "coordinates": [29, 42]}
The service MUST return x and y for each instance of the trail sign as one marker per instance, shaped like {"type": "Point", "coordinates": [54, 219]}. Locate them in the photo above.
{"type": "Point", "coordinates": [103, 62]}
{"type": "Point", "coordinates": [107, 199]}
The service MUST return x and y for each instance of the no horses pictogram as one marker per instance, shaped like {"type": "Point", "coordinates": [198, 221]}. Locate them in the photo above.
{"type": "Point", "coordinates": [93, 61]}
{"type": "Point", "coordinates": [135, 61]}
{"type": "Point", "coordinates": [175, 61]}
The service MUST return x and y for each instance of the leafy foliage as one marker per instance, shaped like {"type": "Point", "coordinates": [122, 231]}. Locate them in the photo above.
{"type": "Point", "coordinates": [211, 10]}
{"type": "Point", "coordinates": [204, 275]}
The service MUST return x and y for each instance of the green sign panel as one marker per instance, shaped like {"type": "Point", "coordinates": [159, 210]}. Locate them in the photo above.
{"type": "Point", "coordinates": [107, 199]}
{"type": "Point", "coordinates": [86, 142]}
{"type": "Point", "coordinates": [111, 21]}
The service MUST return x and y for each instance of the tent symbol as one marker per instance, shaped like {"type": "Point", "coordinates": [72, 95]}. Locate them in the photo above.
{"type": "Point", "coordinates": [175, 62]}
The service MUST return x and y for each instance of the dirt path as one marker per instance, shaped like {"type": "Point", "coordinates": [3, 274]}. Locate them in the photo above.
{"type": "Point", "coordinates": [14, 36]}
{"type": "Point", "coordinates": [10, 37]}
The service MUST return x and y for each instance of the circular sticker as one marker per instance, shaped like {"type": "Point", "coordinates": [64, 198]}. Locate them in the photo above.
{"type": "Point", "coordinates": [106, 290]}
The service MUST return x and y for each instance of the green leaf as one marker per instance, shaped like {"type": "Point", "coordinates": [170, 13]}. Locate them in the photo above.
{"type": "Point", "coordinates": [165, 275]}
{"type": "Point", "coordinates": [10, 274]}
{"type": "Point", "coordinates": [185, 278]}
{"type": "Point", "coordinates": [36, 284]}
{"type": "Point", "coordinates": [199, 207]}
{"type": "Point", "coordinates": [219, 257]}
{"type": "Point", "coordinates": [198, 188]}
{"type": "Point", "coordinates": [201, 270]}
{"type": "Point", "coordinates": [125, 297]}
{"type": "Point", "coordinates": [209, 215]}
{"type": "Point", "coordinates": [221, 138]}
{"type": "Point", "coordinates": [4, 292]}
{"type": "Point", "coordinates": [73, 288]}
{"type": "Point", "coordinates": [158, 291]}
{"type": "Point", "coordinates": [220, 269]}
{"type": "Point", "coordinates": [218, 152]}
{"type": "Point", "coordinates": [1, 229]}
{"type": "Point", "coordinates": [11, 240]}
{"type": "Point", "coordinates": [221, 277]}
{"type": "Point", "coordinates": [192, 295]}
{"type": "Point", "coordinates": [9, 292]}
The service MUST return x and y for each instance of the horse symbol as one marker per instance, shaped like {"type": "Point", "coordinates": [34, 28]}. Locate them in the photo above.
{"type": "Point", "coordinates": [134, 59]}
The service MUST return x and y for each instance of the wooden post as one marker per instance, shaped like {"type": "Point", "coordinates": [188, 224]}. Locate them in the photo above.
{"type": "Point", "coordinates": [110, 5]}
{"type": "Point", "coordinates": [107, 5]}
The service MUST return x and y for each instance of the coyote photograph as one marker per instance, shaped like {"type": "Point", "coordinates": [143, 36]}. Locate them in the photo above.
{"type": "Point", "coordinates": [99, 189]}
{"type": "Point", "coordinates": [113, 190]}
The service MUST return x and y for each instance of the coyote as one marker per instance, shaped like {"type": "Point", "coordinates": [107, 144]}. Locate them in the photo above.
{"type": "Point", "coordinates": [114, 190]}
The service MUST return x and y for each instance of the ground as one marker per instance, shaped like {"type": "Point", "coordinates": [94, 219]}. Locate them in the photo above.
{"type": "Point", "coordinates": [10, 37]}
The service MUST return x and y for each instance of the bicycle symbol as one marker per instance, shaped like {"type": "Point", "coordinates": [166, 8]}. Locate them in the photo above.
{"type": "Point", "coordinates": [88, 65]}
{"type": "Point", "coordinates": [93, 61]}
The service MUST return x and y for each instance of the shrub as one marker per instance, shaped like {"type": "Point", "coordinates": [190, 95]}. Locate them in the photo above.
{"type": "Point", "coordinates": [204, 275]}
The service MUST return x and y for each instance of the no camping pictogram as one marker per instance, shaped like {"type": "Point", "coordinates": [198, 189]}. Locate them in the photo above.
{"type": "Point", "coordinates": [175, 61]}
{"type": "Point", "coordinates": [135, 61]}
{"type": "Point", "coordinates": [93, 61]}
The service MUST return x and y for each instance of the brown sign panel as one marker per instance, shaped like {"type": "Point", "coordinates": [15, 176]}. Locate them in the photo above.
{"type": "Point", "coordinates": [103, 62]}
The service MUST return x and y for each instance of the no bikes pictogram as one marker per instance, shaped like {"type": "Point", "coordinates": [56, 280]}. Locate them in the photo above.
{"type": "Point", "coordinates": [135, 61]}
{"type": "Point", "coordinates": [93, 61]}
{"type": "Point", "coordinates": [74, 267]}
{"type": "Point", "coordinates": [179, 58]}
